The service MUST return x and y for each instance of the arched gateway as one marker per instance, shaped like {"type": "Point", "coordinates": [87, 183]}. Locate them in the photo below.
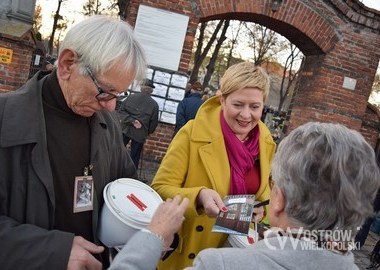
{"type": "Point", "coordinates": [340, 39]}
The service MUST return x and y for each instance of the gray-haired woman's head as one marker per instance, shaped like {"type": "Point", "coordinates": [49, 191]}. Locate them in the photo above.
{"type": "Point", "coordinates": [329, 177]}
{"type": "Point", "coordinates": [101, 42]}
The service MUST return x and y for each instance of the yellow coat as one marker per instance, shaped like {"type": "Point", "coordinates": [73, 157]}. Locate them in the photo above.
{"type": "Point", "coordinates": [197, 159]}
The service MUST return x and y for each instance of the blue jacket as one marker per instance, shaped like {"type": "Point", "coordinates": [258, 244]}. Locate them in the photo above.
{"type": "Point", "coordinates": [187, 109]}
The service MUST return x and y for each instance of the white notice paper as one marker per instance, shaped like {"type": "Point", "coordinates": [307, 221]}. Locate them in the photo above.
{"type": "Point", "coordinates": [168, 117]}
{"type": "Point", "coordinates": [162, 34]}
{"type": "Point", "coordinates": [149, 73]}
{"type": "Point", "coordinates": [179, 80]}
{"type": "Point", "coordinates": [160, 102]}
{"type": "Point", "coordinates": [162, 77]}
{"type": "Point", "coordinates": [176, 93]}
{"type": "Point", "coordinates": [171, 106]}
{"type": "Point", "coordinates": [160, 90]}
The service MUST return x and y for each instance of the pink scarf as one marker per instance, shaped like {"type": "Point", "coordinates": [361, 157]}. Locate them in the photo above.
{"type": "Point", "coordinates": [241, 156]}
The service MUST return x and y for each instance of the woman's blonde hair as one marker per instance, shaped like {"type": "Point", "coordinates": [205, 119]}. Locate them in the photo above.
{"type": "Point", "coordinates": [244, 75]}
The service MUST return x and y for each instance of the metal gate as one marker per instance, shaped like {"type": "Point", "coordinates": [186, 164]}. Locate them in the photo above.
{"type": "Point", "coordinates": [38, 62]}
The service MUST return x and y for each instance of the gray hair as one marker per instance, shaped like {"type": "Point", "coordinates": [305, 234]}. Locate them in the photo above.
{"type": "Point", "coordinates": [329, 176]}
{"type": "Point", "coordinates": [102, 42]}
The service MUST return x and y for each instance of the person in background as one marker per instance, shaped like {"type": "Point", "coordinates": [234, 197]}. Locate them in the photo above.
{"type": "Point", "coordinates": [50, 63]}
{"type": "Point", "coordinates": [188, 107]}
{"type": "Point", "coordinates": [139, 118]}
{"type": "Point", "coordinates": [207, 93]}
{"type": "Point", "coordinates": [225, 150]}
{"type": "Point", "coordinates": [324, 181]}
{"type": "Point", "coordinates": [119, 101]}
{"type": "Point", "coordinates": [58, 132]}
{"type": "Point", "coordinates": [187, 90]}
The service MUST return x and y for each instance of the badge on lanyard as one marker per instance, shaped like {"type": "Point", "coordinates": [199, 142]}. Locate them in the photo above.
{"type": "Point", "coordinates": [83, 192]}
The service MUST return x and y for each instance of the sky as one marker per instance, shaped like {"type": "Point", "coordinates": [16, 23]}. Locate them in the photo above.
{"type": "Point", "coordinates": [375, 4]}
{"type": "Point", "coordinates": [71, 9]}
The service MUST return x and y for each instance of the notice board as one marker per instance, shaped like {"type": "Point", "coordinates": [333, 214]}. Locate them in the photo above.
{"type": "Point", "coordinates": [169, 90]}
{"type": "Point", "coordinates": [162, 34]}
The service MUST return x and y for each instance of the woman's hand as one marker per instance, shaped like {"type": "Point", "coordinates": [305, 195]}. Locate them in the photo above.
{"type": "Point", "coordinates": [211, 202]}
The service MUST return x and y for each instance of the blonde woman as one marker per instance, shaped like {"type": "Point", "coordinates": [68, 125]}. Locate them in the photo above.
{"type": "Point", "coordinates": [225, 150]}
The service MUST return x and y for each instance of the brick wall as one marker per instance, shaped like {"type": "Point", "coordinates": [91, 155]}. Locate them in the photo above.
{"type": "Point", "coordinates": [15, 74]}
{"type": "Point", "coordinates": [158, 142]}
{"type": "Point", "coordinates": [154, 150]}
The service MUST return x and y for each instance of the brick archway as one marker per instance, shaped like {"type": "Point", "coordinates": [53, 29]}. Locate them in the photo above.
{"type": "Point", "coordinates": [340, 40]}
{"type": "Point", "coordinates": [297, 26]}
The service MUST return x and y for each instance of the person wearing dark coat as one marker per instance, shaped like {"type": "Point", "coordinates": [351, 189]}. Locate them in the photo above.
{"type": "Point", "coordinates": [57, 134]}
{"type": "Point", "coordinates": [139, 118]}
{"type": "Point", "coordinates": [188, 107]}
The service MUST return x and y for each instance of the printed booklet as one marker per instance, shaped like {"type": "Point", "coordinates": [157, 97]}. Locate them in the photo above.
{"type": "Point", "coordinates": [237, 219]}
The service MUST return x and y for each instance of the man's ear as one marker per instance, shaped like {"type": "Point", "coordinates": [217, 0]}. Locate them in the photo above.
{"type": "Point", "coordinates": [66, 60]}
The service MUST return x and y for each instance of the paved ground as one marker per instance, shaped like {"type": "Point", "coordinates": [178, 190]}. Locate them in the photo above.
{"type": "Point", "coordinates": [362, 256]}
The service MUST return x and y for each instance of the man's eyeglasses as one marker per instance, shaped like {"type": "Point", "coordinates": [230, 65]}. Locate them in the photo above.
{"type": "Point", "coordinates": [102, 95]}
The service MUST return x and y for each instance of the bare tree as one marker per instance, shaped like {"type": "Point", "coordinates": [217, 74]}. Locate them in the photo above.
{"type": "Point", "coordinates": [57, 17]}
{"type": "Point", "coordinates": [123, 6]}
{"type": "Point", "coordinates": [265, 43]}
{"type": "Point", "coordinates": [61, 29]}
{"type": "Point", "coordinates": [376, 82]}
{"type": "Point", "coordinates": [92, 7]}
{"type": "Point", "coordinates": [267, 47]}
{"type": "Point", "coordinates": [211, 65]}
{"type": "Point", "coordinates": [288, 74]}
{"type": "Point", "coordinates": [234, 41]}
{"type": "Point", "coordinates": [375, 90]}
{"type": "Point", "coordinates": [200, 55]}
{"type": "Point", "coordinates": [37, 19]}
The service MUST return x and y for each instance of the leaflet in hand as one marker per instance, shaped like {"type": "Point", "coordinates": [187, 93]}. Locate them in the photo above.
{"type": "Point", "coordinates": [237, 219]}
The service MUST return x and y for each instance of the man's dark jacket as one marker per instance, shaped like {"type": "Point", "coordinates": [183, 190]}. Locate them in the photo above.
{"type": "Point", "coordinates": [27, 200]}
{"type": "Point", "coordinates": [143, 107]}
